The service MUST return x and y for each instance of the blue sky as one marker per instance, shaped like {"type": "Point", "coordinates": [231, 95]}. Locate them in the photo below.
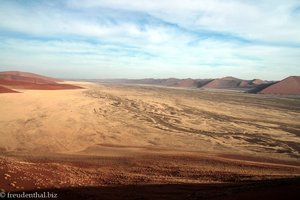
{"type": "Point", "coordinates": [151, 38]}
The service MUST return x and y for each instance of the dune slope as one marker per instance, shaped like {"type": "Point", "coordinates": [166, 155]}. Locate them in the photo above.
{"type": "Point", "coordinates": [25, 80]}
{"type": "Point", "coordinates": [288, 86]}
{"type": "Point", "coordinates": [6, 90]}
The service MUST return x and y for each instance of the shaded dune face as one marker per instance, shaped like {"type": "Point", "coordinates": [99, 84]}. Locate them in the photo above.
{"type": "Point", "coordinates": [6, 90]}
{"type": "Point", "coordinates": [288, 86]}
{"type": "Point", "coordinates": [24, 80]}
{"type": "Point", "coordinates": [261, 87]}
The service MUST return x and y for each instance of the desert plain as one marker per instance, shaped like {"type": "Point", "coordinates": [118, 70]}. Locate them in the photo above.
{"type": "Point", "coordinates": [123, 141]}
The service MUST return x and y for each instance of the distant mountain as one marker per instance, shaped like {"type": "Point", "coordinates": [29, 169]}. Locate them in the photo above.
{"type": "Point", "coordinates": [228, 82]}
{"type": "Point", "coordinates": [288, 86]}
{"type": "Point", "coordinates": [171, 82]}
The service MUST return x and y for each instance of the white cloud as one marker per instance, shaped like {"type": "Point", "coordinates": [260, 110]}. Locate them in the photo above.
{"type": "Point", "coordinates": [263, 20]}
{"type": "Point", "coordinates": [153, 38]}
{"type": "Point", "coordinates": [208, 59]}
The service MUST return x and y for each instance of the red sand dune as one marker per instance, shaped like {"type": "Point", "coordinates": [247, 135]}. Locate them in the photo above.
{"type": "Point", "coordinates": [231, 82]}
{"type": "Point", "coordinates": [170, 82]}
{"type": "Point", "coordinates": [29, 75]}
{"type": "Point", "coordinates": [252, 83]}
{"type": "Point", "coordinates": [288, 86]}
{"type": "Point", "coordinates": [14, 79]}
{"type": "Point", "coordinates": [230, 78]}
{"type": "Point", "coordinates": [258, 82]}
{"type": "Point", "coordinates": [24, 80]}
{"type": "Point", "coordinates": [245, 84]}
{"type": "Point", "coordinates": [6, 90]}
{"type": "Point", "coordinates": [226, 82]}
{"type": "Point", "coordinates": [187, 83]}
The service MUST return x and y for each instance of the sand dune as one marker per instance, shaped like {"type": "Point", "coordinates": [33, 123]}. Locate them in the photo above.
{"type": "Point", "coordinates": [186, 83]}
{"type": "Point", "coordinates": [258, 81]}
{"type": "Point", "coordinates": [24, 80]}
{"type": "Point", "coordinates": [288, 86]}
{"type": "Point", "coordinates": [16, 75]}
{"type": "Point", "coordinates": [226, 82]}
{"type": "Point", "coordinates": [220, 83]}
{"type": "Point", "coordinates": [6, 90]}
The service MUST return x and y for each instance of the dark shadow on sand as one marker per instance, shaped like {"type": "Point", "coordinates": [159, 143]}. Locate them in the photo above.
{"type": "Point", "coordinates": [270, 189]}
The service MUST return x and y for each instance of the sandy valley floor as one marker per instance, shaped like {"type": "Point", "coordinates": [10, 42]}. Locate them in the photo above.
{"type": "Point", "coordinates": [125, 134]}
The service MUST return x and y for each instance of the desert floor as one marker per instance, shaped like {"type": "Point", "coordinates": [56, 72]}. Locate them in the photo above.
{"type": "Point", "coordinates": [159, 143]}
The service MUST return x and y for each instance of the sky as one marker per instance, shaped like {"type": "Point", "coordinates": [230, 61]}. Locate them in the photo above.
{"type": "Point", "coordinates": [151, 38]}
